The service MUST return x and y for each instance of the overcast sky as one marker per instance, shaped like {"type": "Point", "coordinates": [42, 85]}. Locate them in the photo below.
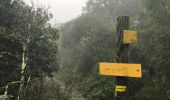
{"type": "Point", "coordinates": [63, 10]}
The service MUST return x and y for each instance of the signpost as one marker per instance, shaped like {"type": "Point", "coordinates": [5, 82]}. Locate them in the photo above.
{"type": "Point", "coordinates": [122, 69]}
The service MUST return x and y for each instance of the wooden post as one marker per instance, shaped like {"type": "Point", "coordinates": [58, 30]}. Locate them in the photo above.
{"type": "Point", "coordinates": [122, 57]}
{"type": "Point", "coordinates": [122, 70]}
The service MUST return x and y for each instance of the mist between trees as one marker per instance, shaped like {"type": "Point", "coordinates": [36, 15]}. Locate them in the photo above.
{"type": "Point", "coordinates": [41, 62]}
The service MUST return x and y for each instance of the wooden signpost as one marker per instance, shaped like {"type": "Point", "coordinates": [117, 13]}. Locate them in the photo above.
{"type": "Point", "coordinates": [122, 69]}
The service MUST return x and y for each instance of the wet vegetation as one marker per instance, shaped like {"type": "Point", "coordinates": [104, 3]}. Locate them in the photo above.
{"type": "Point", "coordinates": [41, 62]}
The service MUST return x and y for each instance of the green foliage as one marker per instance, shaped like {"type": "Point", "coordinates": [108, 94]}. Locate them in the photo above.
{"type": "Point", "coordinates": [153, 92]}
{"type": "Point", "coordinates": [23, 26]}
{"type": "Point", "coordinates": [98, 87]}
{"type": "Point", "coordinates": [83, 43]}
{"type": "Point", "coordinates": [155, 51]}
{"type": "Point", "coordinates": [87, 40]}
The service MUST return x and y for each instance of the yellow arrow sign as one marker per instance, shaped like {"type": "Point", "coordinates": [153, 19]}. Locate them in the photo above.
{"type": "Point", "coordinates": [120, 69]}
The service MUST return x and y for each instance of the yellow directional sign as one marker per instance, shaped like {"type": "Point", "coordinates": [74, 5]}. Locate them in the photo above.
{"type": "Point", "coordinates": [120, 69]}
{"type": "Point", "coordinates": [129, 37]}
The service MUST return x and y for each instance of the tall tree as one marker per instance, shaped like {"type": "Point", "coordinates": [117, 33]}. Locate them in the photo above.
{"type": "Point", "coordinates": [28, 45]}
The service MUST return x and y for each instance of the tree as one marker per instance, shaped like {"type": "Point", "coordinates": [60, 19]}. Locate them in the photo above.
{"type": "Point", "coordinates": [27, 40]}
{"type": "Point", "coordinates": [158, 40]}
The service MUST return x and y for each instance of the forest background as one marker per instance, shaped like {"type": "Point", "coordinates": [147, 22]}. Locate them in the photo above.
{"type": "Point", "coordinates": [61, 63]}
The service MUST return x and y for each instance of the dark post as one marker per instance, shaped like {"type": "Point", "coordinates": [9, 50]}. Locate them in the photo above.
{"type": "Point", "coordinates": [122, 56]}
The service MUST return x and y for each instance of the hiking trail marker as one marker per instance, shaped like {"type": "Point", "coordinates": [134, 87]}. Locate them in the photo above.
{"type": "Point", "coordinates": [122, 69]}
